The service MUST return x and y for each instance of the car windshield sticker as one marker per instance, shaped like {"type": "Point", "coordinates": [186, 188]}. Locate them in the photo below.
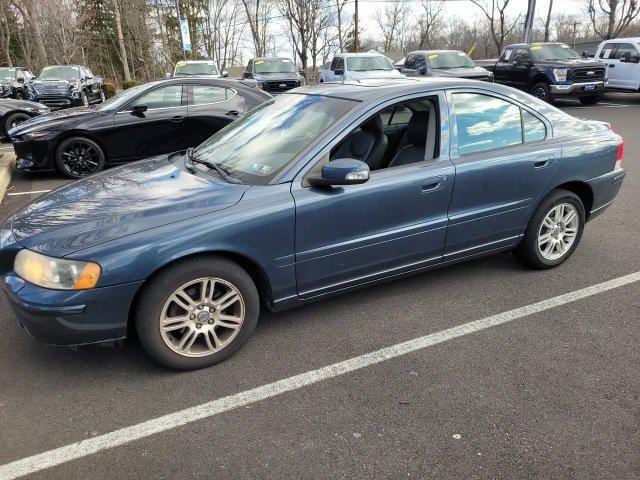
{"type": "Point", "coordinates": [507, 54]}
{"type": "Point", "coordinates": [180, 64]}
{"type": "Point", "coordinates": [607, 52]}
{"type": "Point", "coordinates": [462, 54]}
{"type": "Point", "coordinates": [536, 47]}
{"type": "Point", "coordinates": [258, 62]}
{"type": "Point", "coordinates": [432, 56]}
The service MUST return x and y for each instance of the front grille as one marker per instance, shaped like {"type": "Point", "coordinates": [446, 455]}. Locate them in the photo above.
{"type": "Point", "coordinates": [51, 88]}
{"type": "Point", "coordinates": [54, 101]}
{"type": "Point", "coordinates": [276, 86]}
{"type": "Point", "coordinates": [587, 74]}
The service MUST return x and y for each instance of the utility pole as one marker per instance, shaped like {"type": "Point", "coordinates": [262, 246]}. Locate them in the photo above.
{"type": "Point", "coordinates": [356, 47]}
{"type": "Point", "coordinates": [528, 21]}
{"type": "Point", "coordinates": [184, 53]}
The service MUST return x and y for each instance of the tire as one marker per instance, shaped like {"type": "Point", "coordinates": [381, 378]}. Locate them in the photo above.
{"type": "Point", "coordinates": [84, 98]}
{"type": "Point", "coordinates": [590, 100]}
{"type": "Point", "coordinates": [201, 347]}
{"type": "Point", "coordinates": [533, 251]}
{"type": "Point", "coordinates": [542, 91]}
{"type": "Point", "coordinates": [101, 97]}
{"type": "Point", "coordinates": [19, 95]}
{"type": "Point", "coordinates": [14, 120]}
{"type": "Point", "coordinates": [78, 157]}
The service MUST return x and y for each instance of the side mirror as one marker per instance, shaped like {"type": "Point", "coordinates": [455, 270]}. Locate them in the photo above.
{"type": "Point", "coordinates": [246, 75]}
{"type": "Point", "coordinates": [138, 110]}
{"type": "Point", "coordinates": [225, 74]}
{"type": "Point", "coordinates": [87, 77]}
{"type": "Point", "coordinates": [167, 75]}
{"type": "Point", "coordinates": [21, 80]}
{"type": "Point", "coordinates": [339, 72]}
{"type": "Point", "coordinates": [343, 171]}
{"type": "Point", "coordinates": [301, 72]}
{"type": "Point", "coordinates": [635, 59]}
{"type": "Point", "coordinates": [585, 54]}
{"type": "Point", "coordinates": [422, 70]}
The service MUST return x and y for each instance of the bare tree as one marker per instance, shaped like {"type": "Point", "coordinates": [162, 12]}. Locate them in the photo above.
{"type": "Point", "coordinates": [392, 21]}
{"type": "Point", "coordinates": [121, 45]}
{"type": "Point", "coordinates": [547, 24]}
{"type": "Point", "coordinates": [341, 29]}
{"type": "Point", "coordinates": [499, 26]}
{"type": "Point", "coordinates": [5, 33]}
{"type": "Point", "coordinates": [618, 14]}
{"type": "Point", "coordinates": [258, 18]}
{"type": "Point", "coordinates": [29, 11]}
{"type": "Point", "coordinates": [299, 15]}
{"type": "Point", "coordinates": [429, 23]}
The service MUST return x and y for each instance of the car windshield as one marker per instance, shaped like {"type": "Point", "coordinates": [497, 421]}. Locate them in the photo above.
{"type": "Point", "coordinates": [60, 72]}
{"type": "Point", "coordinates": [556, 51]}
{"type": "Point", "coordinates": [255, 148]}
{"type": "Point", "coordinates": [123, 97]}
{"type": "Point", "coordinates": [196, 68]}
{"type": "Point", "coordinates": [447, 60]}
{"type": "Point", "coordinates": [273, 65]}
{"type": "Point", "coordinates": [365, 64]}
{"type": "Point", "coordinates": [7, 74]}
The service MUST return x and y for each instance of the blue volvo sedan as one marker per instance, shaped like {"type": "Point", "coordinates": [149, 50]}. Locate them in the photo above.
{"type": "Point", "coordinates": [318, 191]}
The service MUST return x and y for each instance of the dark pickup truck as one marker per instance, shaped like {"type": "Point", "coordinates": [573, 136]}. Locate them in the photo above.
{"type": "Point", "coordinates": [549, 71]}
{"type": "Point", "coordinates": [273, 75]}
{"type": "Point", "coordinates": [61, 86]}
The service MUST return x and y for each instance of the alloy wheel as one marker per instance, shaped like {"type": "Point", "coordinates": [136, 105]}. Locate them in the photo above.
{"type": "Point", "coordinates": [202, 317]}
{"type": "Point", "coordinates": [540, 93]}
{"type": "Point", "coordinates": [80, 158]}
{"type": "Point", "coordinates": [558, 231]}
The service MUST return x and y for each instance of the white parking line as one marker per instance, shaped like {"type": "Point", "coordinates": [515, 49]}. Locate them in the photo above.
{"type": "Point", "coordinates": [125, 435]}
{"type": "Point", "coordinates": [28, 193]}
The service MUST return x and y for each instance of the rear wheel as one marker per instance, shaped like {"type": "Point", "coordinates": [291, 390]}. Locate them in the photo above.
{"type": "Point", "coordinates": [554, 231]}
{"type": "Point", "coordinates": [590, 100]}
{"type": "Point", "coordinates": [78, 157]}
{"type": "Point", "coordinates": [14, 120]}
{"type": "Point", "coordinates": [197, 313]}
{"type": "Point", "coordinates": [542, 91]}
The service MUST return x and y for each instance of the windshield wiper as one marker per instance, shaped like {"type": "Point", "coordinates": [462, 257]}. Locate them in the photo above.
{"type": "Point", "coordinates": [193, 159]}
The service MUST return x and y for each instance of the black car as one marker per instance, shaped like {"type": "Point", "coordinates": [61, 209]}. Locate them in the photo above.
{"type": "Point", "coordinates": [62, 86]}
{"type": "Point", "coordinates": [151, 119]}
{"type": "Point", "coordinates": [13, 82]}
{"type": "Point", "coordinates": [443, 63]}
{"type": "Point", "coordinates": [13, 112]}
{"type": "Point", "coordinates": [274, 74]}
{"type": "Point", "coordinates": [549, 71]}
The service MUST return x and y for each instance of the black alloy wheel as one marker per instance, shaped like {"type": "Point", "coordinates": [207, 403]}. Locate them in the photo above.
{"type": "Point", "coordinates": [78, 157]}
{"type": "Point", "coordinates": [542, 91]}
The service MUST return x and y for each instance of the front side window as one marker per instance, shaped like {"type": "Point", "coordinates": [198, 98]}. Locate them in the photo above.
{"type": "Point", "coordinates": [448, 60]}
{"type": "Point", "coordinates": [554, 51]}
{"type": "Point", "coordinates": [366, 64]}
{"type": "Point", "coordinates": [522, 54]}
{"type": "Point", "coordinates": [607, 50]}
{"type": "Point", "coordinates": [410, 61]}
{"type": "Point", "coordinates": [534, 128]}
{"type": "Point", "coordinates": [484, 122]}
{"type": "Point", "coordinates": [163, 97]}
{"type": "Point", "coordinates": [625, 49]}
{"type": "Point", "coordinates": [203, 94]}
{"type": "Point", "coordinates": [60, 73]}
{"type": "Point", "coordinates": [256, 147]}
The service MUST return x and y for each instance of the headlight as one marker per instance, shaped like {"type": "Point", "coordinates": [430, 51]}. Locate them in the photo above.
{"type": "Point", "coordinates": [56, 273]}
{"type": "Point", "coordinates": [39, 135]}
{"type": "Point", "coordinates": [560, 74]}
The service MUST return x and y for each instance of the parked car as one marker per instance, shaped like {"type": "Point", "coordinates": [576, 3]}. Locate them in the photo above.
{"type": "Point", "coordinates": [13, 82]}
{"type": "Point", "coordinates": [199, 68]}
{"type": "Point", "coordinates": [61, 86]}
{"type": "Point", "coordinates": [444, 63]}
{"type": "Point", "coordinates": [359, 66]}
{"type": "Point", "coordinates": [14, 112]}
{"type": "Point", "coordinates": [409, 175]}
{"type": "Point", "coordinates": [549, 71]}
{"type": "Point", "coordinates": [274, 74]}
{"type": "Point", "coordinates": [151, 119]}
{"type": "Point", "coordinates": [323, 72]}
{"type": "Point", "coordinates": [622, 58]}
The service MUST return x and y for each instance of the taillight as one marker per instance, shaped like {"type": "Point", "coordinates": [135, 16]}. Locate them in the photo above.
{"type": "Point", "coordinates": [619, 154]}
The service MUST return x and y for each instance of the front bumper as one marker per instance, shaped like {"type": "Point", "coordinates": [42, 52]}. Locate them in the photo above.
{"type": "Point", "coordinates": [581, 89]}
{"type": "Point", "coordinates": [57, 101]}
{"type": "Point", "coordinates": [33, 155]}
{"type": "Point", "coordinates": [67, 317]}
{"type": "Point", "coordinates": [605, 188]}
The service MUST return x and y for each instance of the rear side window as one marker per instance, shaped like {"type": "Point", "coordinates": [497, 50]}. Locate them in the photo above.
{"type": "Point", "coordinates": [164, 97]}
{"type": "Point", "coordinates": [485, 123]}
{"type": "Point", "coordinates": [410, 61]}
{"type": "Point", "coordinates": [533, 128]}
{"type": "Point", "coordinates": [203, 94]}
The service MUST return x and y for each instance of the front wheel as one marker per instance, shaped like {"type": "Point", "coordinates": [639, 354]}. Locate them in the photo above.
{"type": "Point", "coordinates": [554, 231]}
{"type": "Point", "coordinates": [14, 120]}
{"type": "Point", "coordinates": [197, 313]}
{"type": "Point", "coordinates": [19, 95]}
{"type": "Point", "coordinates": [542, 91]}
{"type": "Point", "coordinates": [590, 100]}
{"type": "Point", "coordinates": [77, 157]}
{"type": "Point", "coordinates": [84, 98]}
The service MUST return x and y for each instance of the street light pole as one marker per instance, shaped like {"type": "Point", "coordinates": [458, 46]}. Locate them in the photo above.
{"type": "Point", "coordinates": [528, 22]}
{"type": "Point", "coordinates": [355, 36]}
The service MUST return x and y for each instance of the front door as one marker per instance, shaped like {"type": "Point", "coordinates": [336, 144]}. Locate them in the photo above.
{"type": "Point", "coordinates": [503, 161]}
{"type": "Point", "coordinates": [626, 74]}
{"type": "Point", "coordinates": [394, 222]}
{"type": "Point", "coordinates": [155, 131]}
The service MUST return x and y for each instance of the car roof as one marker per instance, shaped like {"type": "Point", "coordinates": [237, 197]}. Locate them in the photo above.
{"type": "Point", "coordinates": [624, 39]}
{"type": "Point", "coordinates": [228, 82]}
{"type": "Point", "coordinates": [359, 54]}
{"type": "Point", "coordinates": [369, 89]}
{"type": "Point", "coordinates": [533, 43]}
{"type": "Point", "coordinates": [195, 61]}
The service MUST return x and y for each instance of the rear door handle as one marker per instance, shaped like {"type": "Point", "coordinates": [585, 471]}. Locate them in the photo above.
{"type": "Point", "coordinates": [177, 118]}
{"type": "Point", "coordinates": [542, 161]}
{"type": "Point", "coordinates": [233, 113]}
{"type": "Point", "coordinates": [434, 184]}
{"type": "Point", "coordinates": [612, 65]}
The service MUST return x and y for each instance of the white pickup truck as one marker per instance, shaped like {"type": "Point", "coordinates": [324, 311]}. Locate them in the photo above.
{"type": "Point", "coordinates": [622, 59]}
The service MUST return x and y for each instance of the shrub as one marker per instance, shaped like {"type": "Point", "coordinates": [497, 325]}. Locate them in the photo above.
{"type": "Point", "coordinates": [109, 89]}
{"type": "Point", "coordinates": [129, 84]}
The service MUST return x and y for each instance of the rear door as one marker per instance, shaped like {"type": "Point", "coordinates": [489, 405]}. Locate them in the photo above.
{"type": "Point", "coordinates": [210, 108]}
{"type": "Point", "coordinates": [504, 158]}
{"type": "Point", "coordinates": [156, 131]}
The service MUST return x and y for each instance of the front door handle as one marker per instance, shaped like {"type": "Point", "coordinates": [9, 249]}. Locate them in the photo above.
{"type": "Point", "coordinates": [177, 119]}
{"type": "Point", "coordinates": [434, 184]}
{"type": "Point", "coordinates": [233, 113]}
{"type": "Point", "coordinates": [542, 161]}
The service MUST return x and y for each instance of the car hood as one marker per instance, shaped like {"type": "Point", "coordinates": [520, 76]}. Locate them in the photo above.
{"type": "Point", "coordinates": [57, 119]}
{"type": "Point", "coordinates": [462, 72]}
{"type": "Point", "coordinates": [119, 202]}
{"type": "Point", "coordinates": [393, 73]}
{"type": "Point", "coordinates": [21, 104]}
{"type": "Point", "coordinates": [576, 62]}
{"type": "Point", "coordinates": [276, 76]}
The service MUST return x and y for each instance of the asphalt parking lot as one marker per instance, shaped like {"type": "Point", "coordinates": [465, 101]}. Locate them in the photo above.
{"type": "Point", "coordinates": [551, 394]}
